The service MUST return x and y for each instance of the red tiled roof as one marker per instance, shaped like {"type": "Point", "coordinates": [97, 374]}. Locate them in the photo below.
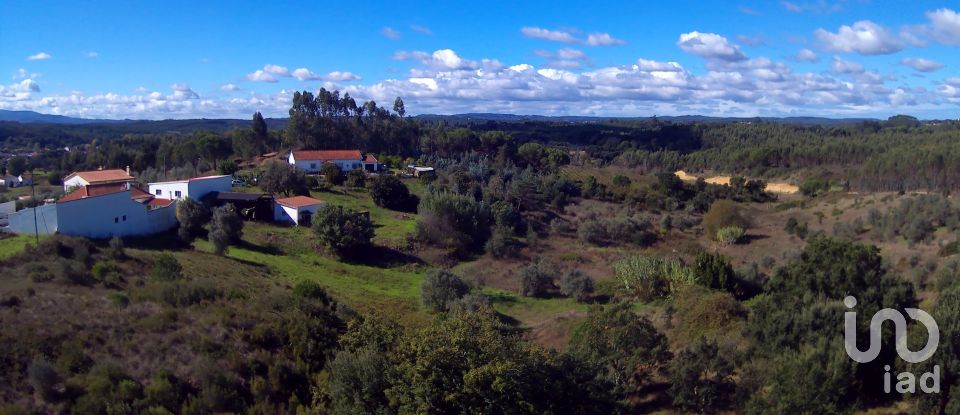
{"type": "Point", "coordinates": [299, 201]}
{"type": "Point", "coordinates": [159, 203]}
{"type": "Point", "coordinates": [369, 158]}
{"type": "Point", "coordinates": [84, 192]}
{"type": "Point", "coordinates": [102, 176]}
{"type": "Point", "coordinates": [325, 155]}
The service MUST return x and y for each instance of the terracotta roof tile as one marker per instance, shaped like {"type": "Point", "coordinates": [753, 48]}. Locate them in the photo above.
{"type": "Point", "coordinates": [299, 201]}
{"type": "Point", "coordinates": [325, 155]}
{"type": "Point", "coordinates": [102, 176]}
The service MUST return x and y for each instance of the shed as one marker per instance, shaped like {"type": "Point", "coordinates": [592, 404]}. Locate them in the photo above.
{"type": "Point", "coordinates": [298, 210]}
{"type": "Point", "coordinates": [251, 206]}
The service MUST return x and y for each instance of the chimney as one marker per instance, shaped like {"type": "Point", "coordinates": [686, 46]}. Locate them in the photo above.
{"type": "Point", "coordinates": [128, 170]}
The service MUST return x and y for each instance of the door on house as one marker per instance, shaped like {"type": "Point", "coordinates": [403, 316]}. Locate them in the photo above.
{"type": "Point", "coordinates": [305, 218]}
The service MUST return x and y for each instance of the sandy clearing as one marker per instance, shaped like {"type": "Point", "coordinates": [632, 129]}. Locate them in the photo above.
{"type": "Point", "coordinates": [773, 187]}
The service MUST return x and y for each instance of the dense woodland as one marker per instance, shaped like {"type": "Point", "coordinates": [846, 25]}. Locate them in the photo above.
{"type": "Point", "coordinates": [502, 188]}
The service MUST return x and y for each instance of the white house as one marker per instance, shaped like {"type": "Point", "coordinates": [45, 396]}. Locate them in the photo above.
{"type": "Point", "coordinates": [298, 210]}
{"type": "Point", "coordinates": [114, 209]}
{"type": "Point", "coordinates": [194, 188]}
{"type": "Point", "coordinates": [310, 161]}
{"type": "Point", "coordinates": [94, 177]}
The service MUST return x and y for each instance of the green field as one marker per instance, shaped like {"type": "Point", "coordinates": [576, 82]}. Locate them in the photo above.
{"type": "Point", "coordinates": [14, 245]}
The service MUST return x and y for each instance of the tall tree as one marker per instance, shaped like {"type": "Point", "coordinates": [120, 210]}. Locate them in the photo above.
{"type": "Point", "coordinates": [398, 107]}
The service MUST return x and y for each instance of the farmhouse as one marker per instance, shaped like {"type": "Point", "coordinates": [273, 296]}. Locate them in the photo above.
{"type": "Point", "coordinates": [298, 210]}
{"type": "Point", "coordinates": [94, 177]}
{"type": "Point", "coordinates": [310, 161]}
{"type": "Point", "coordinates": [114, 209]}
{"type": "Point", "coordinates": [194, 188]}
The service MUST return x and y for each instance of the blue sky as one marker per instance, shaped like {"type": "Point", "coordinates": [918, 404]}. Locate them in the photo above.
{"type": "Point", "coordinates": [176, 59]}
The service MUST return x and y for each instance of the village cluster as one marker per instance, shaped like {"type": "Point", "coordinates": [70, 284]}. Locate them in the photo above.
{"type": "Point", "coordinates": [109, 202]}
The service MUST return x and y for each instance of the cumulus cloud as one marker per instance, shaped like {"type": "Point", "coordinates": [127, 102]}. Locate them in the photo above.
{"type": "Point", "coordinates": [276, 70]}
{"type": "Point", "coordinates": [92, 54]}
{"type": "Point", "coordinates": [422, 29]}
{"type": "Point", "coordinates": [390, 33]}
{"type": "Point", "coordinates": [261, 76]}
{"type": "Point", "coordinates": [922, 65]}
{"type": "Point", "coordinates": [603, 39]}
{"type": "Point", "coordinates": [39, 56]}
{"type": "Point", "coordinates": [551, 35]}
{"type": "Point", "coordinates": [710, 46]}
{"type": "Point", "coordinates": [24, 74]}
{"type": "Point", "coordinates": [182, 92]}
{"type": "Point", "coordinates": [342, 76]}
{"type": "Point", "coordinates": [863, 37]}
{"type": "Point", "coordinates": [229, 87]}
{"type": "Point", "coordinates": [945, 26]}
{"type": "Point", "coordinates": [807, 55]}
{"type": "Point", "coordinates": [305, 74]}
{"type": "Point", "coordinates": [842, 66]}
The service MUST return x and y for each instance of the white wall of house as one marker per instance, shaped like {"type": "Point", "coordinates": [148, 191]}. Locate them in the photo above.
{"type": "Point", "coordinates": [313, 166]}
{"type": "Point", "coordinates": [287, 214]}
{"type": "Point", "coordinates": [194, 189]}
{"type": "Point", "coordinates": [170, 190]}
{"type": "Point", "coordinates": [73, 182]}
{"type": "Point", "coordinates": [112, 215]}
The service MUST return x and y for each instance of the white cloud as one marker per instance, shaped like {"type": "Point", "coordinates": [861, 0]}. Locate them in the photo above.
{"type": "Point", "coordinates": [645, 65]}
{"type": "Point", "coordinates": [752, 40]}
{"type": "Point", "coordinates": [922, 65]}
{"type": "Point", "coordinates": [24, 74]}
{"type": "Point", "coordinates": [92, 54]}
{"type": "Point", "coordinates": [229, 87]}
{"type": "Point", "coordinates": [403, 55]}
{"type": "Point", "coordinates": [342, 76]}
{"type": "Point", "coordinates": [864, 37]}
{"type": "Point", "coordinates": [422, 29]}
{"type": "Point", "coordinates": [304, 74]}
{"type": "Point", "coordinates": [571, 54]}
{"type": "Point", "coordinates": [807, 55]}
{"type": "Point", "coordinates": [818, 7]}
{"type": "Point", "coordinates": [842, 66]}
{"type": "Point", "coordinates": [945, 26]}
{"type": "Point", "coordinates": [390, 33]}
{"type": "Point", "coordinates": [39, 56]}
{"type": "Point", "coordinates": [261, 76]}
{"type": "Point", "coordinates": [182, 92]}
{"type": "Point", "coordinates": [276, 70]}
{"type": "Point", "coordinates": [551, 35]}
{"type": "Point", "coordinates": [748, 11]}
{"type": "Point", "coordinates": [603, 39]}
{"type": "Point", "coordinates": [710, 46]}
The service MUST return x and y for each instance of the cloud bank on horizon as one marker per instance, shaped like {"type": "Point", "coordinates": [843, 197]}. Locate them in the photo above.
{"type": "Point", "coordinates": [832, 70]}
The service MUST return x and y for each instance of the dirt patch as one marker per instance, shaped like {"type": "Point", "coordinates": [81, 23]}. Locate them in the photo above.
{"type": "Point", "coordinates": [773, 187]}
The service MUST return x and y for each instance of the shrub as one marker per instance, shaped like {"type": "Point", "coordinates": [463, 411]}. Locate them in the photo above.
{"type": "Point", "coordinates": [310, 289]}
{"type": "Point", "coordinates": [453, 221]}
{"type": "Point", "coordinates": [723, 213]}
{"type": "Point", "coordinates": [116, 248]}
{"type": "Point", "coordinates": [192, 215]}
{"type": "Point", "coordinates": [43, 377]}
{"type": "Point", "coordinates": [472, 302]}
{"type": "Point", "coordinates": [341, 229]}
{"type": "Point", "coordinates": [651, 277]}
{"type": "Point", "coordinates": [119, 300]}
{"type": "Point", "coordinates": [576, 284]}
{"type": "Point", "coordinates": [701, 378]}
{"type": "Point", "coordinates": [502, 244]}
{"type": "Point", "coordinates": [730, 235]}
{"type": "Point", "coordinates": [592, 231]}
{"type": "Point", "coordinates": [226, 227]}
{"type": "Point", "coordinates": [440, 289]}
{"type": "Point", "coordinates": [281, 177]}
{"type": "Point", "coordinates": [183, 294]}
{"type": "Point", "coordinates": [558, 226]}
{"type": "Point", "coordinates": [536, 279]}
{"type": "Point", "coordinates": [356, 178]}
{"type": "Point", "coordinates": [333, 174]}
{"type": "Point", "coordinates": [227, 167]}
{"type": "Point", "coordinates": [506, 216]}
{"type": "Point", "coordinates": [166, 268]}
{"type": "Point", "coordinates": [389, 192]}
{"type": "Point", "coordinates": [621, 181]}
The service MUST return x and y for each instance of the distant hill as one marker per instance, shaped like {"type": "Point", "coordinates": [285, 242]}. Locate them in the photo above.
{"type": "Point", "coordinates": [36, 117]}
{"type": "Point", "coordinates": [483, 117]}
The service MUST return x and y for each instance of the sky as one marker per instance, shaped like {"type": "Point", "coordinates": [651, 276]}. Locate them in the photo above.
{"type": "Point", "coordinates": [218, 59]}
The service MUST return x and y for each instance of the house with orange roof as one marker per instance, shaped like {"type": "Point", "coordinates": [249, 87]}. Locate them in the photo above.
{"type": "Point", "coordinates": [94, 177]}
{"type": "Point", "coordinates": [310, 161]}
{"type": "Point", "coordinates": [298, 210]}
{"type": "Point", "coordinates": [113, 209]}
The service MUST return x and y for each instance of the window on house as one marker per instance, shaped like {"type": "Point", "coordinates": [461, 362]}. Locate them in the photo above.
{"type": "Point", "coordinates": [116, 220]}
{"type": "Point", "coordinates": [158, 192]}
{"type": "Point", "coordinates": [313, 165]}
{"type": "Point", "coordinates": [124, 218]}
{"type": "Point", "coordinates": [176, 193]}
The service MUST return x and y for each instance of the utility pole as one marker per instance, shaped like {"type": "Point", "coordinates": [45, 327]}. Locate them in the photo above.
{"type": "Point", "coordinates": [33, 198]}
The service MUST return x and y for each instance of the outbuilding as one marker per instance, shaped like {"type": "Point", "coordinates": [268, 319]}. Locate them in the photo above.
{"type": "Point", "coordinates": [195, 188]}
{"type": "Point", "coordinates": [298, 210]}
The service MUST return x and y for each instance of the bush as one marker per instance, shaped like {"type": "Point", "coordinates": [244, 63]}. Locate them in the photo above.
{"type": "Point", "coordinates": [333, 174]}
{"type": "Point", "coordinates": [312, 290]}
{"type": "Point", "coordinates": [502, 244]}
{"type": "Point", "coordinates": [650, 277]}
{"type": "Point", "coordinates": [341, 229]}
{"type": "Point", "coordinates": [281, 177]}
{"type": "Point", "coordinates": [166, 268]}
{"type": "Point", "coordinates": [701, 378]}
{"type": "Point", "coordinates": [192, 215]}
{"type": "Point", "coordinates": [356, 178]}
{"type": "Point", "coordinates": [592, 231]}
{"type": "Point", "coordinates": [227, 167]}
{"type": "Point", "coordinates": [389, 192]}
{"type": "Point", "coordinates": [506, 216]}
{"type": "Point", "coordinates": [577, 285]}
{"type": "Point", "coordinates": [536, 279]}
{"type": "Point", "coordinates": [440, 289]}
{"type": "Point", "coordinates": [723, 213]}
{"type": "Point", "coordinates": [116, 249]}
{"type": "Point", "coordinates": [453, 221]}
{"type": "Point", "coordinates": [728, 235]}
{"type": "Point", "coordinates": [226, 227]}
{"type": "Point", "coordinates": [43, 378]}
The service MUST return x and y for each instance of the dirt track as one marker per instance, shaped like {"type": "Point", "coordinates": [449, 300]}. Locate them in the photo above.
{"type": "Point", "coordinates": [774, 187]}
